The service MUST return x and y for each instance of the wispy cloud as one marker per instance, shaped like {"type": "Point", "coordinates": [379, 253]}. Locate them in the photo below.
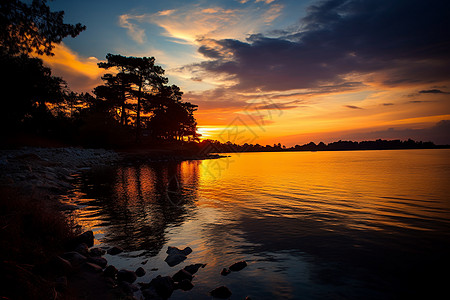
{"type": "Point", "coordinates": [133, 30]}
{"type": "Point", "coordinates": [193, 23]}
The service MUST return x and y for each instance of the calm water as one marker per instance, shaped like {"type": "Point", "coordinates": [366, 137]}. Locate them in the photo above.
{"type": "Point", "coordinates": [311, 225]}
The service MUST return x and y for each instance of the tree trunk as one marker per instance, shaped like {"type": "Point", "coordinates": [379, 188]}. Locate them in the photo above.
{"type": "Point", "coordinates": [138, 113]}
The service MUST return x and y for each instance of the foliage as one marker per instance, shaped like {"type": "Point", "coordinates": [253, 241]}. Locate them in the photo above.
{"type": "Point", "coordinates": [212, 146]}
{"type": "Point", "coordinates": [27, 28]}
{"type": "Point", "coordinates": [27, 89]}
{"type": "Point", "coordinates": [137, 90]}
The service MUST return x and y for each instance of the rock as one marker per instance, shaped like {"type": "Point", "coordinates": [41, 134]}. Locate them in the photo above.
{"type": "Point", "coordinates": [221, 292]}
{"type": "Point", "coordinates": [61, 284]}
{"type": "Point", "coordinates": [111, 283]}
{"type": "Point", "coordinates": [86, 237]}
{"type": "Point", "coordinates": [185, 285]}
{"type": "Point", "coordinates": [238, 266]}
{"type": "Point", "coordinates": [175, 259]}
{"type": "Point", "coordinates": [140, 272]}
{"type": "Point", "coordinates": [163, 286]}
{"type": "Point", "coordinates": [187, 251]}
{"type": "Point", "coordinates": [151, 294]}
{"type": "Point", "coordinates": [176, 255]}
{"type": "Point", "coordinates": [92, 267]}
{"type": "Point", "coordinates": [126, 275]}
{"type": "Point", "coordinates": [144, 262]}
{"type": "Point", "coordinates": [75, 258]}
{"type": "Point", "coordinates": [82, 249]}
{"type": "Point", "coordinates": [128, 288]}
{"type": "Point", "coordinates": [114, 250]}
{"type": "Point", "coordinates": [174, 250]}
{"type": "Point", "coordinates": [194, 268]}
{"type": "Point", "coordinates": [96, 252]}
{"type": "Point", "coordinates": [100, 261]}
{"type": "Point", "coordinates": [154, 269]}
{"type": "Point", "coordinates": [182, 274]}
{"type": "Point", "coordinates": [225, 272]}
{"type": "Point", "coordinates": [59, 266]}
{"type": "Point", "coordinates": [110, 272]}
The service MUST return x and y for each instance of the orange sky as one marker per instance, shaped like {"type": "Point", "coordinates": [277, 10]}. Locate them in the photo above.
{"type": "Point", "coordinates": [262, 73]}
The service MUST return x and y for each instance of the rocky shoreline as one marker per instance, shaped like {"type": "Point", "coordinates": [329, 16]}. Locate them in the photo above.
{"type": "Point", "coordinates": [49, 169]}
{"type": "Point", "coordinates": [81, 271]}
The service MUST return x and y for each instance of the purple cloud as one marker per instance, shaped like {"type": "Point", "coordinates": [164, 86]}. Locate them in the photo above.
{"type": "Point", "coordinates": [406, 40]}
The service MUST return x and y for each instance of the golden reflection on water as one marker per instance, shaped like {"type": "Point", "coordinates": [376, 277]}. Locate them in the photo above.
{"type": "Point", "coordinates": [300, 219]}
{"type": "Point", "coordinates": [369, 188]}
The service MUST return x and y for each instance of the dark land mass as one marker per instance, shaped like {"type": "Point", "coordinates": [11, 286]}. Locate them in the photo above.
{"type": "Point", "coordinates": [228, 147]}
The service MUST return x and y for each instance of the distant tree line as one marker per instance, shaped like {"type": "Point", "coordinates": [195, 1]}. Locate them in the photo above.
{"type": "Point", "coordinates": [133, 104]}
{"type": "Point", "coordinates": [214, 146]}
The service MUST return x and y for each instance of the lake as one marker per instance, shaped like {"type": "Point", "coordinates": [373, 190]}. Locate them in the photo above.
{"type": "Point", "coordinates": [310, 225]}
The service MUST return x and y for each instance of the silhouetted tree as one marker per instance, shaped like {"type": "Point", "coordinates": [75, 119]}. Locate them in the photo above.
{"type": "Point", "coordinates": [27, 85]}
{"type": "Point", "coordinates": [26, 28]}
{"type": "Point", "coordinates": [138, 79]}
{"type": "Point", "coordinates": [171, 118]}
{"type": "Point", "coordinates": [117, 89]}
{"type": "Point", "coordinates": [149, 81]}
{"type": "Point", "coordinates": [26, 89]}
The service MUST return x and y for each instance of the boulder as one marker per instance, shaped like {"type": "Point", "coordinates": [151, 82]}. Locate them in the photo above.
{"type": "Point", "coordinates": [163, 286]}
{"type": "Point", "coordinates": [92, 267]}
{"type": "Point", "coordinates": [59, 266]}
{"type": "Point", "coordinates": [75, 258]}
{"type": "Point", "coordinates": [126, 275]}
{"type": "Point", "coordinates": [238, 266]}
{"type": "Point", "coordinates": [114, 250]}
{"type": "Point", "coordinates": [185, 285]}
{"type": "Point", "coordinates": [110, 271]}
{"type": "Point", "coordinates": [194, 268]}
{"type": "Point", "coordinates": [221, 292]}
{"type": "Point", "coordinates": [86, 237]}
{"type": "Point", "coordinates": [82, 249]}
{"type": "Point", "coordinates": [175, 259]}
{"type": "Point", "coordinates": [225, 272]}
{"type": "Point", "coordinates": [140, 272]}
{"type": "Point", "coordinates": [151, 294]}
{"type": "Point", "coordinates": [182, 274]}
{"type": "Point", "coordinates": [100, 261]}
{"type": "Point", "coordinates": [96, 252]}
{"type": "Point", "coordinates": [174, 250]}
{"type": "Point", "coordinates": [176, 255]}
{"type": "Point", "coordinates": [128, 288]}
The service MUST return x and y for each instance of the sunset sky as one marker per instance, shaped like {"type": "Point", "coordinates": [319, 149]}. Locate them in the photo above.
{"type": "Point", "coordinates": [289, 71]}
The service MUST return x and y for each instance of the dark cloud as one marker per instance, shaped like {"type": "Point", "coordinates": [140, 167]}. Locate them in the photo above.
{"type": "Point", "coordinates": [353, 107]}
{"type": "Point", "coordinates": [433, 91]}
{"type": "Point", "coordinates": [209, 52]}
{"type": "Point", "coordinates": [280, 106]}
{"type": "Point", "coordinates": [409, 40]}
{"type": "Point", "coordinates": [388, 104]}
{"type": "Point", "coordinates": [417, 101]}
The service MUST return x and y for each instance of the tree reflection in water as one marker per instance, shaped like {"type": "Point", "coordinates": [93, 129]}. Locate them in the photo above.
{"type": "Point", "coordinates": [137, 203]}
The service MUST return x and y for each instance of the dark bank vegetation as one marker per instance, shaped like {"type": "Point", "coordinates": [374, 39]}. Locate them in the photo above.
{"type": "Point", "coordinates": [31, 233]}
{"type": "Point", "coordinates": [134, 105]}
{"type": "Point", "coordinates": [228, 147]}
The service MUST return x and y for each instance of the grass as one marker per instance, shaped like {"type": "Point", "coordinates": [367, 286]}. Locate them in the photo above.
{"type": "Point", "coordinates": [31, 232]}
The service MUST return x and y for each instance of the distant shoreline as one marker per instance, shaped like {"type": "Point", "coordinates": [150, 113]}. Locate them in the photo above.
{"type": "Point", "coordinates": [335, 150]}
{"type": "Point", "coordinates": [218, 147]}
